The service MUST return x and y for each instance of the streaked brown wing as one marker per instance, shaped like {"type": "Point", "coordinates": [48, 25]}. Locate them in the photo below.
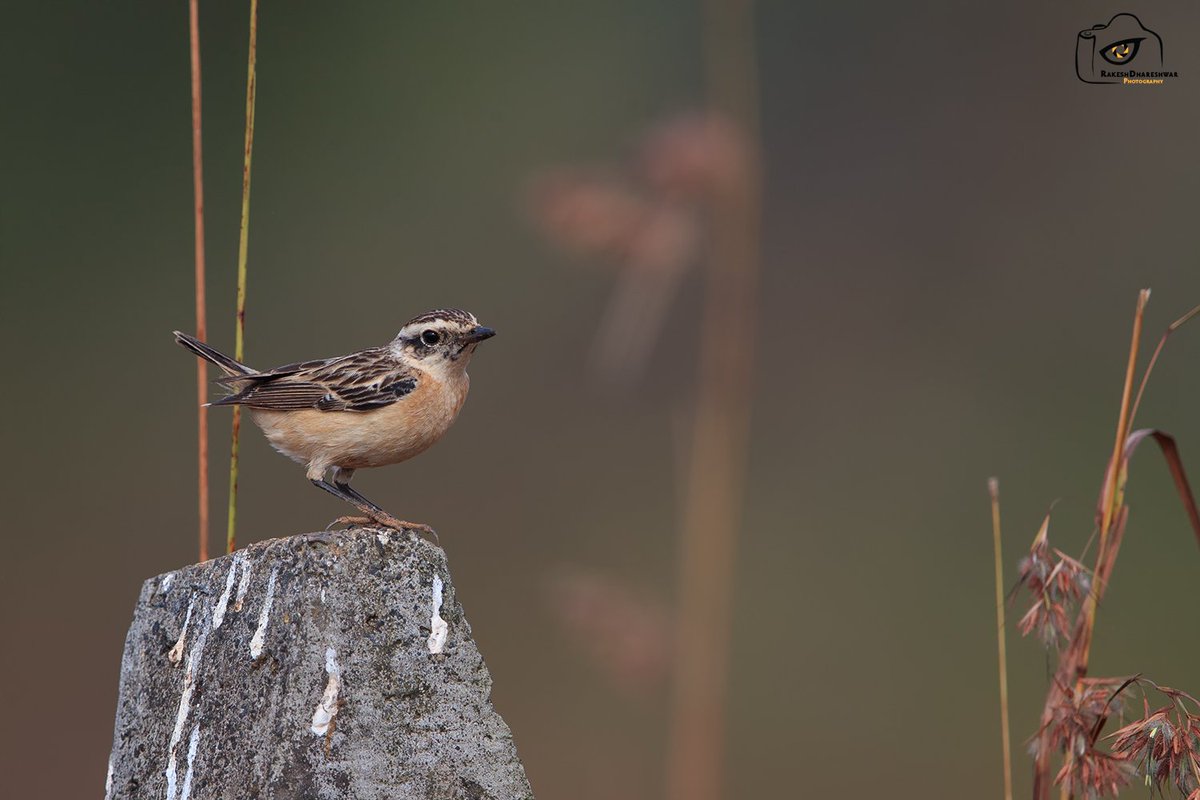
{"type": "Point", "coordinates": [358, 382]}
{"type": "Point", "coordinates": [281, 395]}
{"type": "Point", "coordinates": [279, 372]}
{"type": "Point", "coordinates": [370, 396]}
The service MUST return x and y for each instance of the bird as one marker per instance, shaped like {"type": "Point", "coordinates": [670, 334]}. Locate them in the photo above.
{"type": "Point", "coordinates": [371, 408]}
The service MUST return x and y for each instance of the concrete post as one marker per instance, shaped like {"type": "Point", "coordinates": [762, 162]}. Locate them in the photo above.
{"type": "Point", "coordinates": [321, 666]}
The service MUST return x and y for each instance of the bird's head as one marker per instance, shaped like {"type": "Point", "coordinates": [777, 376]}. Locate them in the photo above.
{"type": "Point", "coordinates": [441, 340]}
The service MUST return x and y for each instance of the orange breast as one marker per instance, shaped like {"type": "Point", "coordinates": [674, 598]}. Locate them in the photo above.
{"type": "Point", "coordinates": [375, 438]}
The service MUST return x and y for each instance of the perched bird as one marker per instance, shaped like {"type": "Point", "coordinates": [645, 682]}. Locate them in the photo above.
{"type": "Point", "coordinates": [375, 407]}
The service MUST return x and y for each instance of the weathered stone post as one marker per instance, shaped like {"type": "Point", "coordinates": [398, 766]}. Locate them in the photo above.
{"type": "Point", "coordinates": [331, 665]}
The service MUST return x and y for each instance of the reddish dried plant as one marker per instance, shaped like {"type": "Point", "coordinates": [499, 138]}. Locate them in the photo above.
{"type": "Point", "coordinates": [1073, 726]}
{"type": "Point", "coordinates": [1162, 747]}
{"type": "Point", "coordinates": [1093, 774]}
{"type": "Point", "coordinates": [1057, 583]}
{"type": "Point", "coordinates": [693, 195]}
{"type": "Point", "coordinates": [644, 219]}
{"type": "Point", "coordinates": [594, 212]}
{"type": "Point", "coordinates": [694, 156]}
{"type": "Point", "coordinates": [625, 634]}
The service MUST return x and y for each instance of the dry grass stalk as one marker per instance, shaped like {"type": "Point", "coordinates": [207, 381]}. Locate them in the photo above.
{"type": "Point", "coordinates": [239, 348]}
{"type": "Point", "coordinates": [698, 174]}
{"type": "Point", "coordinates": [1073, 664]}
{"type": "Point", "coordinates": [1077, 707]}
{"type": "Point", "coordinates": [717, 465]}
{"type": "Point", "coordinates": [201, 309]}
{"type": "Point", "coordinates": [1174, 326]}
{"type": "Point", "coordinates": [1002, 654]}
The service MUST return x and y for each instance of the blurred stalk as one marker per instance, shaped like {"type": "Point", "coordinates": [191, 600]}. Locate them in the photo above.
{"type": "Point", "coordinates": [239, 347]}
{"type": "Point", "coordinates": [716, 471]}
{"type": "Point", "coordinates": [201, 303]}
{"type": "Point", "coordinates": [994, 491]}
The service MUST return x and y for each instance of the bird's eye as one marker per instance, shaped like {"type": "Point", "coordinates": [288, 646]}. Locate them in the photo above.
{"type": "Point", "coordinates": [431, 337]}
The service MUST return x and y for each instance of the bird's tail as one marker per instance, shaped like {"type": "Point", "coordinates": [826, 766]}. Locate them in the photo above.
{"type": "Point", "coordinates": [234, 369]}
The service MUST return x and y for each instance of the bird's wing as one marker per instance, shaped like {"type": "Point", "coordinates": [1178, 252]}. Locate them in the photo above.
{"type": "Point", "coordinates": [358, 382]}
{"type": "Point", "coordinates": [273, 374]}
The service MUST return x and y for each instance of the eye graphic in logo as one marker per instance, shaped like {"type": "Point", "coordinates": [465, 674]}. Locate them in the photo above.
{"type": "Point", "coordinates": [1121, 52]}
{"type": "Point", "coordinates": [1118, 43]}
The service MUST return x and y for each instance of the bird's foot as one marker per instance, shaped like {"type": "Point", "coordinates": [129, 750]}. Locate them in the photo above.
{"type": "Point", "coordinates": [387, 521]}
{"type": "Point", "coordinates": [353, 522]}
{"type": "Point", "coordinates": [419, 528]}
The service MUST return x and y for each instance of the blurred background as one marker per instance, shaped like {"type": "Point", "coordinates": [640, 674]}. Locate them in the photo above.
{"type": "Point", "coordinates": [954, 228]}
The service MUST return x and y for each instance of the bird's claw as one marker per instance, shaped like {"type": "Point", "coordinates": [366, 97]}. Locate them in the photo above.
{"type": "Point", "coordinates": [387, 521]}
{"type": "Point", "coordinates": [417, 528]}
{"type": "Point", "coordinates": [350, 521]}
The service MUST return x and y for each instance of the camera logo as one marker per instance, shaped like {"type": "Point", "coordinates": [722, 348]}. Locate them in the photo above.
{"type": "Point", "coordinates": [1106, 53]}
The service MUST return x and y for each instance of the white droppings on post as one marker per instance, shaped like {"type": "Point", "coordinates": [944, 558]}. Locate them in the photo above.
{"type": "Point", "coordinates": [328, 706]}
{"type": "Point", "coordinates": [322, 595]}
{"type": "Point", "coordinates": [193, 745]}
{"type": "Point", "coordinates": [108, 781]}
{"type": "Point", "coordinates": [243, 586]}
{"type": "Point", "coordinates": [176, 653]}
{"type": "Point", "coordinates": [260, 635]}
{"type": "Point", "coordinates": [167, 580]}
{"type": "Point", "coordinates": [438, 628]}
{"type": "Point", "coordinates": [384, 537]}
{"type": "Point", "coordinates": [171, 765]}
{"type": "Point", "coordinates": [193, 662]}
{"type": "Point", "coordinates": [223, 601]}
{"type": "Point", "coordinates": [185, 708]}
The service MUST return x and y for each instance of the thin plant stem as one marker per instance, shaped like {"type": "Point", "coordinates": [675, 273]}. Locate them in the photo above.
{"type": "Point", "coordinates": [1002, 653]}
{"type": "Point", "coordinates": [1078, 655]}
{"type": "Point", "coordinates": [1174, 326]}
{"type": "Point", "coordinates": [239, 347]}
{"type": "Point", "coordinates": [1112, 515]}
{"type": "Point", "coordinates": [715, 473]}
{"type": "Point", "coordinates": [1109, 510]}
{"type": "Point", "coordinates": [201, 303]}
{"type": "Point", "coordinates": [1073, 666]}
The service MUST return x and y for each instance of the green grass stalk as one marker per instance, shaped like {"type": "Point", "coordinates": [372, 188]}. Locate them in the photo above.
{"type": "Point", "coordinates": [239, 347]}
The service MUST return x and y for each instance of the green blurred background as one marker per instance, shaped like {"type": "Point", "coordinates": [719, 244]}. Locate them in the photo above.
{"type": "Point", "coordinates": [955, 230]}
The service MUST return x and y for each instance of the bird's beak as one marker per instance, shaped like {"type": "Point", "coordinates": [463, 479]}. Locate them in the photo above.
{"type": "Point", "coordinates": [478, 334]}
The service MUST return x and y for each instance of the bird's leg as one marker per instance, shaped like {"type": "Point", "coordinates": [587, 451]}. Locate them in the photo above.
{"type": "Point", "coordinates": [341, 479]}
{"type": "Point", "coordinates": [373, 512]}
